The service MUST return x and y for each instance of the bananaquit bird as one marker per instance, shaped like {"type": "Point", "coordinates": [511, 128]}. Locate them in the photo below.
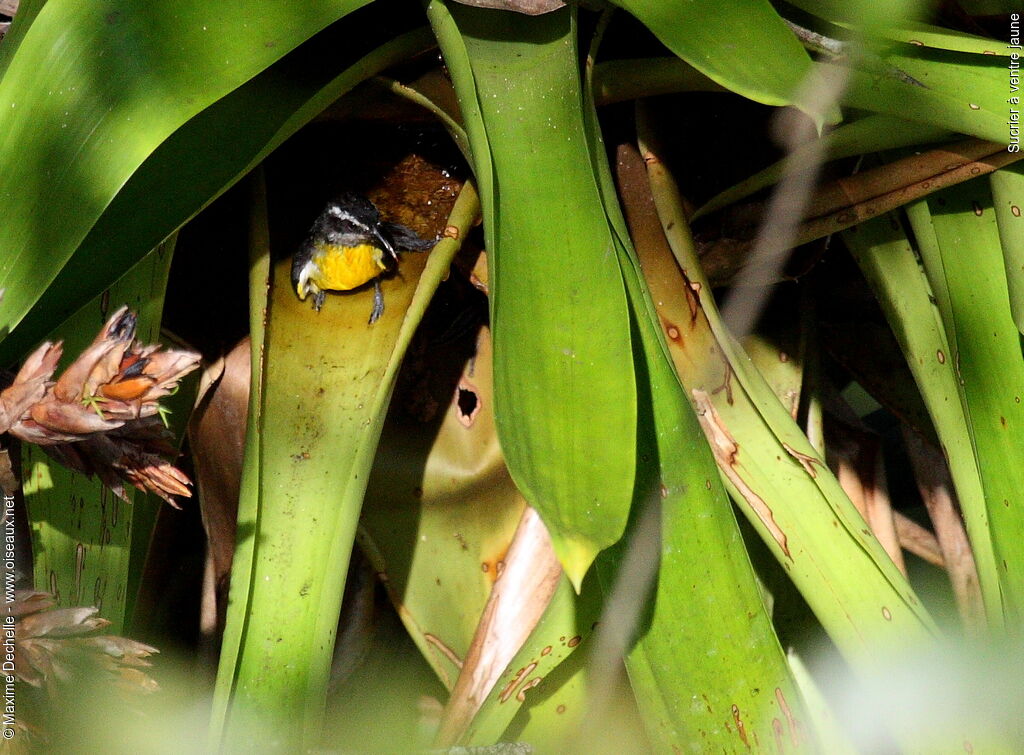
{"type": "Point", "coordinates": [348, 247]}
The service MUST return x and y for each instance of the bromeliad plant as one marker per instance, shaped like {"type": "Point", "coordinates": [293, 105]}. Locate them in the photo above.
{"type": "Point", "coordinates": [629, 414]}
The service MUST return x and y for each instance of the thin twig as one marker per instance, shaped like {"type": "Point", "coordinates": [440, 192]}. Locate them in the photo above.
{"type": "Point", "coordinates": [936, 487]}
{"type": "Point", "coordinates": [917, 540]}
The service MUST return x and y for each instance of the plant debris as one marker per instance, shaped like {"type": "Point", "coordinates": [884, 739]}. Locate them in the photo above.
{"type": "Point", "coordinates": [102, 415]}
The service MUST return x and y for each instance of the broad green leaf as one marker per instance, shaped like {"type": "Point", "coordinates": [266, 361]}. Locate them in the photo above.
{"type": "Point", "coordinates": [206, 156]}
{"type": "Point", "coordinates": [553, 712]}
{"type": "Point", "coordinates": [863, 14]}
{"type": "Point", "coordinates": [707, 668]}
{"type": "Point", "coordinates": [27, 12]}
{"type": "Point", "coordinates": [564, 388]}
{"type": "Point", "coordinates": [81, 532]}
{"type": "Point", "coordinates": [92, 91]}
{"type": "Point", "coordinates": [745, 46]}
{"type": "Point", "coordinates": [959, 243]}
{"type": "Point", "coordinates": [326, 384]}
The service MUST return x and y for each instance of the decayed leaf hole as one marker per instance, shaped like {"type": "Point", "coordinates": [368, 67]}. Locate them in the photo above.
{"type": "Point", "coordinates": [467, 402]}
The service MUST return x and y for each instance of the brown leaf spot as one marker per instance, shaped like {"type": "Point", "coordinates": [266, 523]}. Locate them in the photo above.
{"type": "Point", "coordinates": [726, 451]}
{"type": "Point", "coordinates": [740, 728]}
{"type": "Point", "coordinates": [940, 356]}
{"type": "Point", "coordinates": [886, 614]}
{"type": "Point", "coordinates": [574, 641]}
{"type": "Point", "coordinates": [672, 331]}
{"type": "Point", "coordinates": [510, 688]}
{"type": "Point", "coordinates": [794, 729]}
{"type": "Point", "coordinates": [521, 694]}
{"type": "Point", "coordinates": [806, 461]}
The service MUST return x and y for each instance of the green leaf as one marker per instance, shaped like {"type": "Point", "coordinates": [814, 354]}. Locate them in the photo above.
{"type": "Point", "coordinates": [708, 637]}
{"type": "Point", "coordinates": [249, 486]}
{"type": "Point", "coordinates": [535, 673]}
{"type": "Point", "coordinates": [206, 156]}
{"type": "Point", "coordinates": [959, 243]}
{"type": "Point", "coordinates": [962, 92]}
{"type": "Point", "coordinates": [928, 35]}
{"type": "Point", "coordinates": [777, 478]}
{"type": "Point", "coordinates": [564, 389]}
{"type": "Point", "coordinates": [1008, 197]}
{"type": "Point", "coordinates": [862, 13]}
{"type": "Point", "coordinates": [93, 90]}
{"type": "Point", "coordinates": [703, 632]}
{"type": "Point", "coordinates": [743, 45]}
{"type": "Point", "coordinates": [326, 385]}
{"type": "Point", "coordinates": [81, 532]}
{"type": "Point", "coordinates": [428, 482]}
{"type": "Point", "coordinates": [887, 259]}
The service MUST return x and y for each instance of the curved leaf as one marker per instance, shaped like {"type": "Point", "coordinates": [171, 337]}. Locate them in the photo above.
{"type": "Point", "coordinates": [327, 381]}
{"type": "Point", "coordinates": [92, 90]}
{"type": "Point", "coordinates": [206, 156]}
{"type": "Point", "coordinates": [564, 384]}
{"type": "Point", "coordinates": [962, 92]}
{"type": "Point", "coordinates": [959, 243]}
{"type": "Point", "coordinates": [743, 45]}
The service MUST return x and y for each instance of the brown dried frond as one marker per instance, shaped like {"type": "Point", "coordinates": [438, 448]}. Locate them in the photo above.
{"type": "Point", "coordinates": [99, 417]}
{"type": "Point", "coordinates": [54, 645]}
{"type": "Point", "coordinates": [29, 384]}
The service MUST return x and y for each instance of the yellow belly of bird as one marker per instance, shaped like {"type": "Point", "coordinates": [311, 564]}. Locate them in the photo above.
{"type": "Point", "coordinates": [341, 268]}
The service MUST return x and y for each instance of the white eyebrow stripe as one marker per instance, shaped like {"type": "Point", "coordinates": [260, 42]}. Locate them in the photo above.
{"type": "Point", "coordinates": [345, 215]}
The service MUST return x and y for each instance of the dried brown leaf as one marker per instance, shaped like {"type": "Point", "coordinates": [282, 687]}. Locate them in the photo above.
{"type": "Point", "coordinates": [100, 416]}
{"type": "Point", "coordinates": [29, 384]}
